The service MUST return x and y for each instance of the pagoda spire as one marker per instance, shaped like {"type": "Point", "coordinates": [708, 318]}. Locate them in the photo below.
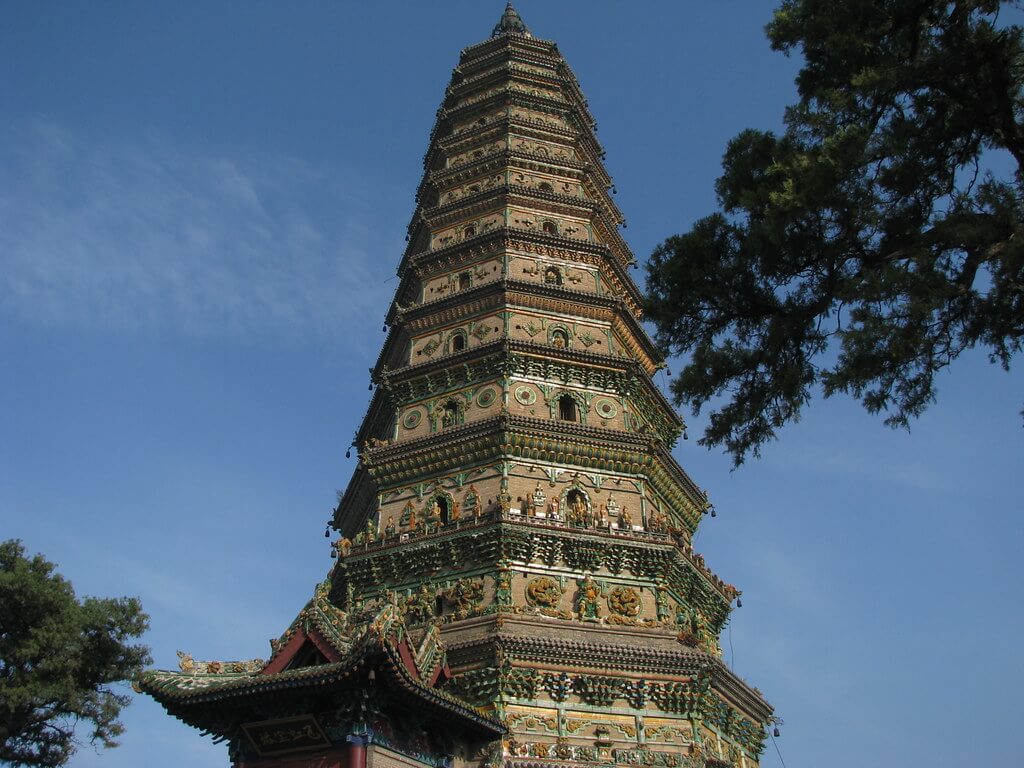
{"type": "Point", "coordinates": [510, 24]}
{"type": "Point", "coordinates": [516, 526]}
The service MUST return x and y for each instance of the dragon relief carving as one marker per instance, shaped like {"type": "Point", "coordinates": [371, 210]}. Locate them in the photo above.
{"type": "Point", "coordinates": [625, 601]}
{"type": "Point", "coordinates": [465, 594]}
{"type": "Point", "coordinates": [530, 722]}
{"type": "Point", "coordinates": [543, 592]}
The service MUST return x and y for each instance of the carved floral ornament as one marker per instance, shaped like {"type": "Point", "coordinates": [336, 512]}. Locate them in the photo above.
{"type": "Point", "coordinates": [482, 330]}
{"type": "Point", "coordinates": [525, 395]}
{"type": "Point", "coordinates": [430, 347]}
{"type": "Point", "coordinates": [486, 397]}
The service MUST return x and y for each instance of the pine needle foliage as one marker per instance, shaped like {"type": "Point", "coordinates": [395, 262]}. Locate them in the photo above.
{"type": "Point", "coordinates": [59, 660]}
{"type": "Point", "coordinates": [873, 241]}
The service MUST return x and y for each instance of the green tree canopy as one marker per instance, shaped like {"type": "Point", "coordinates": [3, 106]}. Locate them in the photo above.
{"type": "Point", "coordinates": [873, 241]}
{"type": "Point", "coordinates": [58, 659]}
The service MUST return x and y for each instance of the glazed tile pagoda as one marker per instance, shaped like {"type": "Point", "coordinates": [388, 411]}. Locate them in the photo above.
{"type": "Point", "coordinates": [514, 582]}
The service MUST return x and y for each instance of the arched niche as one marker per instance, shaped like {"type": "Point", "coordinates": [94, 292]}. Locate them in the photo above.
{"type": "Point", "coordinates": [576, 507]}
{"type": "Point", "coordinates": [448, 412]}
{"type": "Point", "coordinates": [566, 405]}
{"type": "Point", "coordinates": [552, 275]}
{"type": "Point", "coordinates": [441, 509]}
{"type": "Point", "coordinates": [559, 336]}
{"type": "Point", "coordinates": [457, 341]}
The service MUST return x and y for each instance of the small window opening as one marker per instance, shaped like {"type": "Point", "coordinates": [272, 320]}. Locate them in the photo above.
{"type": "Point", "coordinates": [545, 187]}
{"type": "Point", "coordinates": [550, 228]}
{"type": "Point", "coordinates": [481, 121]}
{"type": "Point", "coordinates": [438, 605]}
{"type": "Point", "coordinates": [464, 280]}
{"type": "Point", "coordinates": [449, 414]}
{"type": "Point", "coordinates": [478, 153]}
{"type": "Point", "coordinates": [469, 231]}
{"type": "Point", "coordinates": [444, 509]}
{"type": "Point", "coordinates": [552, 276]}
{"type": "Point", "coordinates": [566, 408]}
{"type": "Point", "coordinates": [458, 342]}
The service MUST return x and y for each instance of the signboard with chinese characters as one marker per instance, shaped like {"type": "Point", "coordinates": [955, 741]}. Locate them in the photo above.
{"type": "Point", "coordinates": [296, 734]}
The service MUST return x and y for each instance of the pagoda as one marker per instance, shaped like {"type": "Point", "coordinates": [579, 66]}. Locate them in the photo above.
{"type": "Point", "coordinates": [513, 581]}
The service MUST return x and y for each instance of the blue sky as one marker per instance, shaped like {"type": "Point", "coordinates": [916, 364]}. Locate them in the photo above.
{"type": "Point", "coordinates": [201, 210]}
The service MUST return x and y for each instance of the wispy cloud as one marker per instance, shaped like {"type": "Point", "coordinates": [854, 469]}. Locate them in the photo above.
{"type": "Point", "coordinates": [152, 236]}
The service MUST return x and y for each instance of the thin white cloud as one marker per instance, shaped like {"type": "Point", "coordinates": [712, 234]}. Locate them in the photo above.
{"type": "Point", "coordinates": [151, 237]}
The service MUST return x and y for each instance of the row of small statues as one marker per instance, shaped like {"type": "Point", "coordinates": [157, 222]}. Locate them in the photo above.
{"type": "Point", "coordinates": [579, 513]}
{"type": "Point", "coordinates": [190, 666]}
{"type": "Point", "coordinates": [426, 521]}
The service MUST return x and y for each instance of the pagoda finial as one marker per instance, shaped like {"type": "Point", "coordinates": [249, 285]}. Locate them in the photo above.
{"type": "Point", "coordinates": [510, 24]}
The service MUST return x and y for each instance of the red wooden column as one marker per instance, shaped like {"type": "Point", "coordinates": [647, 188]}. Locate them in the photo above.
{"type": "Point", "coordinates": [357, 749]}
